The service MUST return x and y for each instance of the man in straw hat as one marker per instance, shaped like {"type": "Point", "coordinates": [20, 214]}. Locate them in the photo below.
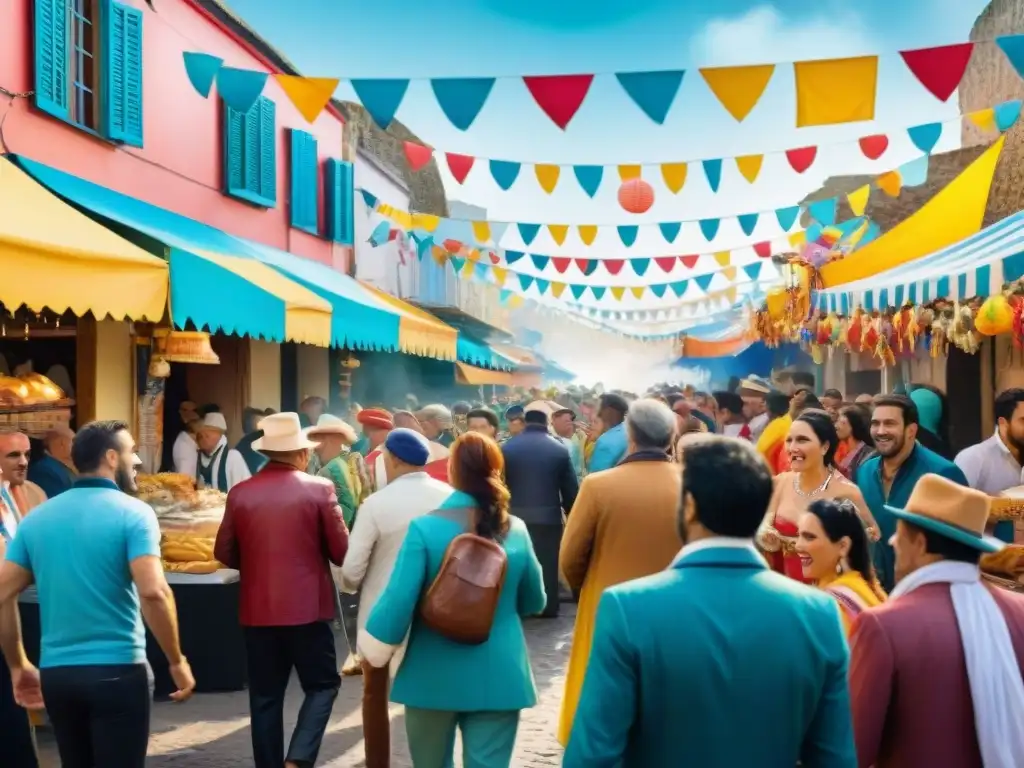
{"type": "Point", "coordinates": [219, 466]}
{"type": "Point", "coordinates": [283, 529]}
{"type": "Point", "coordinates": [335, 437]}
{"type": "Point", "coordinates": [935, 673]}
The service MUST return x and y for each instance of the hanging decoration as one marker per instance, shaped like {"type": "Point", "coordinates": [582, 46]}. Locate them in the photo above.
{"type": "Point", "coordinates": [636, 196]}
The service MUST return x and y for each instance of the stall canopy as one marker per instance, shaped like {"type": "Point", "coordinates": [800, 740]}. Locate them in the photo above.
{"type": "Point", "coordinates": [474, 347]}
{"type": "Point", "coordinates": [977, 266]}
{"type": "Point", "coordinates": [476, 376]}
{"type": "Point", "coordinates": [720, 339]}
{"type": "Point", "coordinates": [54, 257]}
{"type": "Point", "coordinates": [419, 332]}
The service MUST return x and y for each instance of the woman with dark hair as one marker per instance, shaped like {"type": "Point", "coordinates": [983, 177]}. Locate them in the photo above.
{"type": "Point", "coordinates": [811, 448]}
{"type": "Point", "coordinates": [853, 427]}
{"type": "Point", "coordinates": [835, 556]}
{"type": "Point", "coordinates": [444, 685]}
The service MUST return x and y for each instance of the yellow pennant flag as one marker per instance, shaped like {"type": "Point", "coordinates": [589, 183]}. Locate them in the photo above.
{"type": "Point", "coordinates": [637, 291]}
{"type": "Point", "coordinates": [439, 254]}
{"type": "Point", "coordinates": [674, 175]}
{"type": "Point", "coordinates": [558, 232]}
{"type": "Point", "coordinates": [547, 176]}
{"type": "Point", "coordinates": [738, 89]}
{"type": "Point", "coordinates": [467, 268]}
{"type": "Point", "coordinates": [750, 166]}
{"type": "Point", "coordinates": [723, 257]}
{"type": "Point", "coordinates": [797, 239]}
{"type": "Point", "coordinates": [309, 94]}
{"type": "Point", "coordinates": [627, 172]}
{"type": "Point", "coordinates": [730, 294]}
{"type": "Point", "coordinates": [482, 231]}
{"type": "Point", "coordinates": [891, 183]}
{"type": "Point", "coordinates": [425, 221]}
{"type": "Point", "coordinates": [984, 119]}
{"type": "Point", "coordinates": [730, 273]}
{"type": "Point", "coordinates": [831, 91]}
{"type": "Point", "coordinates": [500, 273]}
{"type": "Point", "coordinates": [557, 289]}
{"type": "Point", "coordinates": [618, 291]}
{"type": "Point", "coordinates": [858, 199]}
{"type": "Point", "coordinates": [588, 233]}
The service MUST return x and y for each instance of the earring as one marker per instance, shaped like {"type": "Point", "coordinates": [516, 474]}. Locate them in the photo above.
{"type": "Point", "coordinates": [839, 567]}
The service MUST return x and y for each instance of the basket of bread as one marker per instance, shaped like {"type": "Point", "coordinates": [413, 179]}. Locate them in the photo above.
{"type": "Point", "coordinates": [1005, 568]}
{"type": "Point", "coordinates": [33, 404]}
{"type": "Point", "coordinates": [1009, 505]}
{"type": "Point", "coordinates": [188, 518]}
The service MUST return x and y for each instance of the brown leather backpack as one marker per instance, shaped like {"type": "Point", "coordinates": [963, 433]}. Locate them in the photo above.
{"type": "Point", "coordinates": [461, 603]}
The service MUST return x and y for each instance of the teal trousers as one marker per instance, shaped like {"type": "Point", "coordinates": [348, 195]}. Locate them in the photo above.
{"type": "Point", "coordinates": [488, 738]}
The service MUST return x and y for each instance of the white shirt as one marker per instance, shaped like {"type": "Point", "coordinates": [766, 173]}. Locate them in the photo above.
{"type": "Point", "coordinates": [732, 430]}
{"type": "Point", "coordinates": [757, 425]}
{"type": "Point", "coordinates": [237, 470]}
{"type": "Point", "coordinates": [185, 454]}
{"type": "Point", "coordinates": [715, 542]}
{"type": "Point", "coordinates": [9, 516]}
{"type": "Point", "coordinates": [990, 467]}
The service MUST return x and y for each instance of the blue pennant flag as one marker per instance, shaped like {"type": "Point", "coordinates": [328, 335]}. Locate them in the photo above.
{"type": "Point", "coordinates": [423, 247]}
{"type": "Point", "coordinates": [542, 286]}
{"type": "Point", "coordinates": [1007, 114]}
{"type": "Point", "coordinates": [653, 92]}
{"type": "Point", "coordinates": [461, 98]}
{"type": "Point", "coordinates": [590, 266]}
{"type": "Point", "coordinates": [709, 228]}
{"type": "Point", "coordinates": [457, 264]}
{"type": "Point", "coordinates": [589, 177]}
{"type": "Point", "coordinates": [748, 221]}
{"type": "Point", "coordinates": [525, 281]}
{"type": "Point", "coordinates": [380, 234]}
{"type": "Point", "coordinates": [713, 171]}
{"type": "Point", "coordinates": [926, 136]}
{"type": "Point", "coordinates": [823, 212]}
{"type": "Point", "coordinates": [578, 290]}
{"type": "Point", "coordinates": [528, 232]}
{"type": "Point", "coordinates": [598, 291]}
{"type": "Point", "coordinates": [369, 198]}
{"type": "Point", "coordinates": [511, 257]}
{"type": "Point", "coordinates": [202, 69]}
{"type": "Point", "coordinates": [481, 271]}
{"type": "Point", "coordinates": [914, 173]}
{"type": "Point", "coordinates": [539, 261]}
{"type": "Point", "coordinates": [640, 265]}
{"type": "Point", "coordinates": [239, 88]}
{"type": "Point", "coordinates": [505, 173]}
{"type": "Point", "coordinates": [753, 270]}
{"type": "Point", "coordinates": [679, 287]}
{"type": "Point", "coordinates": [658, 289]}
{"type": "Point", "coordinates": [670, 230]}
{"type": "Point", "coordinates": [627, 234]}
{"type": "Point", "coordinates": [704, 281]}
{"type": "Point", "coordinates": [1012, 47]}
{"type": "Point", "coordinates": [787, 217]}
{"type": "Point", "coordinates": [381, 98]}
{"type": "Point", "coordinates": [813, 232]}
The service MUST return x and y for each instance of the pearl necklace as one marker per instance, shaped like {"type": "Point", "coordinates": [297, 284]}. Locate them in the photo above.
{"type": "Point", "coordinates": [807, 494]}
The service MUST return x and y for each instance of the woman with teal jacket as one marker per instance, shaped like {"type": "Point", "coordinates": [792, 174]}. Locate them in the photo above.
{"type": "Point", "coordinates": [444, 685]}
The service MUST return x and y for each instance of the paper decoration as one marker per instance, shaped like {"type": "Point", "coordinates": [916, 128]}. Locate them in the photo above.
{"type": "Point", "coordinates": [874, 147]}
{"type": "Point", "coordinates": [801, 159]}
{"type": "Point", "coordinates": [1007, 114]}
{"type": "Point", "coordinates": [629, 172]}
{"type": "Point", "coordinates": [462, 98]}
{"type": "Point", "coordinates": [858, 199]}
{"type": "Point", "coordinates": [547, 176]}
{"type": "Point", "coordinates": [459, 165]}
{"type": "Point", "coordinates": [528, 232]}
{"type": "Point", "coordinates": [823, 212]}
{"type": "Point", "coordinates": [628, 235]}
{"type": "Point", "coordinates": [202, 69]}
{"type": "Point", "coordinates": [636, 196]}
{"type": "Point", "coordinates": [589, 177]}
{"type": "Point", "coordinates": [381, 98]}
{"type": "Point", "coordinates": [738, 89]}
{"type": "Point", "coordinates": [1012, 47]}
{"type": "Point", "coordinates": [587, 233]}
{"type": "Point", "coordinates": [670, 230]}
{"type": "Point", "coordinates": [417, 155]}
{"type": "Point", "coordinates": [748, 223]}
{"type": "Point", "coordinates": [674, 176]}
{"type": "Point", "coordinates": [832, 91]}
{"type": "Point", "coordinates": [309, 94]}
{"type": "Point", "coordinates": [984, 119]}
{"type": "Point", "coordinates": [504, 173]}
{"type": "Point", "coordinates": [939, 69]}
{"type": "Point", "coordinates": [653, 92]}
{"type": "Point", "coordinates": [713, 173]}
{"type": "Point", "coordinates": [750, 166]}
{"type": "Point", "coordinates": [239, 88]}
{"type": "Point", "coordinates": [481, 231]}
{"type": "Point", "coordinates": [925, 137]}
{"type": "Point", "coordinates": [559, 96]}
{"type": "Point", "coordinates": [558, 232]}
{"type": "Point", "coordinates": [890, 183]}
{"type": "Point", "coordinates": [709, 228]}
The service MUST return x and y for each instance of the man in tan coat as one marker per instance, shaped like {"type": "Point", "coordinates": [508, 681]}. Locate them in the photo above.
{"type": "Point", "coordinates": [622, 527]}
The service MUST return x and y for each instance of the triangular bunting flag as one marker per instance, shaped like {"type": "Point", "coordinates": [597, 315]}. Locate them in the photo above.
{"type": "Point", "coordinates": [369, 199]}
{"type": "Point", "coordinates": [481, 232]}
{"type": "Point", "coordinates": [801, 159]}
{"type": "Point", "coordinates": [512, 257]}
{"type": "Point", "coordinates": [630, 172]}
{"type": "Point", "coordinates": [787, 217]}
{"type": "Point", "coordinates": [723, 258]}
{"type": "Point", "coordinates": [926, 136]}
{"type": "Point", "coordinates": [380, 98]}
{"type": "Point", "coordinates": [539, 261]}
{"type": "Point", "coordinates": [750, 166]}
{"type": "Point", "coordinates": [439, 254]}
{"type": "Point", "coordinates": [558, 232]}
{"type": "Point", "coordinates": [763, 250]}
{"type": "Point", "coordinates": [730, 272]}
{"type": "Point", "coordinates": [637, 291]}
{"type": "Point", "coordinates": [499, 273]}
{"type": "Point", "coordinates": [709, 228]}
{"type": "Point", "coordinates": [640, 266]}
{"type": "Point", "coordinates": [832, 91]}
{"type": "Point", "coordinates": [670, 230]}
{"type": "Point", "coordinates": [309, 94]}
{"type": "Point", "coordinates": [627, 234]}
{"type": "Point", "coordinates": [1012, 47]}
{"type": "Point", "coordinates": [559, 96]}
{"type": "Point", "coordinates": [479, 271]}
{"type": "Point", "coordinates": [457, 264]}
{"type": "Point", "coordinates": [528, 232]}
{"type": "Point", "coordinates": [557, 289]}
{"type": "Point", "coordinates": [542, 286]}
{"type": "Point", "coordinates": [587, 232]}
{"type": "Point", "coordinates": [713, 173]}
{"type": "Point", "coordinates": [985, 119]}
{"type": "Point", "coordinates": [547, 176]}
{"type": "Point", "coordinates": [578, 291]}
{"type": "Point", "coordinates": [658, 289]}
{"type": "Point", "coordinates": [459, 165]}
{"type": "Point", "coordinates": [505, 173]}
{"type": "Point", "coordinates": [797, 239]}
{"type": "Point", "coordinates": [890, 183]}
{"type": "Point", "coordinates": [679, 287]}
{"type": "Point", "coordinates": [614, 266]}
{"type": "Point", "coordinates": [202, 69]}
{"type": "Point", "coordinates": [939, 69]}
{"type": "Point", "coordinates": [667, 263]}
{"type": "Point", "coordinates": [858, 199]}
{"type": "Point", "coordinates": [704, 281]}
{"type": "Point", "coordinates": [586, 266]}
{"type": "Point", "coordinates": [618, 291]}
{"type": "Point", "coordinates": [653, 92]}
{"type": "Point", "coordinates": [589, 177]}
{"type": "Point", "coordinates": [1007, 114]}
{"type": "Point", "coordinates": [823, 212]}
{"type": "Point", "coordinates": [674, 176]}
{"type": "Point", "coordinates": [738, 89]}
{"type": "Point", "coordinates": [239, 88]}
{"type": "Point", "coordinates": [748, 221]}
{"type": "Point", "coordinates": [730, 295]}
{"type": "Point", "coordinates": [525, 281]}
{"type": "Point", "coordinates": [416, 155]}
{"type": "Point", "coordinates": [874, 147]}
{"type": "Point", "coordinates": [915, 172]}
{"type": "Point", "coordinates": [495, 258]}
{"type": "Point", "coordinates": [598, 291]}
{"type": "Point", "coordinates": [425, 221]}
{"type": "Point", "coordinates": [461, 98]}
{"type": "Point", "coordinates": [690, 261]}
{"type": "Point", "coordinates": [753, 271]}
{"type": "Point", "coordinates": [561, 263]}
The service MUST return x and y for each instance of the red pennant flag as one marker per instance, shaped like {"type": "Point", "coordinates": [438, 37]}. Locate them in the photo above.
{"type": "Point", "coordinates": [689, 261]}
{"type": "Point", "coordinates": [801, 159]}
{"type": "Point", "coordinates": [561, 264]}
{"type": "Point", "coordinates": [459, 165]}
{"type": "Point", "coordinates": [584, 265]}
{"type": "Point", "coordinates": [764, 250]}
{"type": "Point", "coordinates": [452, 246]}
{"type": "Point", "coordinates": [560, 96]}
{"type": "Point", "coordinates": [614, 266]}
{"type": "Point", "coordinates": [665, 262]}
{"type": "Point", "coordinates": [495, 258]}
{"type": "Point", "coordinates": [874, 147]}
{"type": "Point", "coordinates": [939, 69]}
{"type": "Point", "coordinates": [417, 155]}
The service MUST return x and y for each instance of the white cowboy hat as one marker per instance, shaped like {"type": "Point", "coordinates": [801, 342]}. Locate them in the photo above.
{"type": "Point", "coordinates": [215, 421]}
{"type": "Point", "coordinates": [282, 432]}
{"type": "Point", "coordinates": [328, 424]}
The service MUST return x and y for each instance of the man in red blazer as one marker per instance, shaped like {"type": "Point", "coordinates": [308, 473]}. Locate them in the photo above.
{"type": "Point", "coordinates": [280, 528]}
{"type": "Point", "coordinates": [935, 672]}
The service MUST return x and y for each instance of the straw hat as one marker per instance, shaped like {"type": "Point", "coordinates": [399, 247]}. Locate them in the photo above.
{"type": "Point", "coordinates": [214, 421]}
{"type": "Point", "coordinates": [755, 384]}
{"type": "Point", "coordinates": [282, 432]}
{"type": "Point", "coordinates": [951, 510]}
{"type": "Point", "coordinates": [328, 424]}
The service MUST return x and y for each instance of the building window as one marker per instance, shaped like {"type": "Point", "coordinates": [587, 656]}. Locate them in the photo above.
{"type": "Point", "coordinates": [340, 181]}
{"type": "Point", "coordinates": [250, 153]}
{"type": "Point", "coordinates": [305, 186]}
{"type": "Point", "coordinates": [88, 66]}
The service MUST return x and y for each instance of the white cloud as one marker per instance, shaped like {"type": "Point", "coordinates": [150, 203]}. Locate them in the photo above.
{"type": "Point", "coordinates": [763, 35]}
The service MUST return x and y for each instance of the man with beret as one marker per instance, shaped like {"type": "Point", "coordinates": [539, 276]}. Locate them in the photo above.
{"type": "Point", "coordinates": [373, 548]}
{"type": "Point", "coordinates": [377, 424]}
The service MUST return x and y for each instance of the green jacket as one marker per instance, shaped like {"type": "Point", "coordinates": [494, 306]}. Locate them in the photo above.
{"type": "Point", "coordinates": [337, 471]}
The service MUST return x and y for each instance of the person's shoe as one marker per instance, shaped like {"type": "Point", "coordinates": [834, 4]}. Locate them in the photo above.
{"type": "Point", "coordinates": [353, 666]}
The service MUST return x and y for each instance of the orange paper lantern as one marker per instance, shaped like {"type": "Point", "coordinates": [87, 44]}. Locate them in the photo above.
{"type": "Point", "coordinates": [636, 196]}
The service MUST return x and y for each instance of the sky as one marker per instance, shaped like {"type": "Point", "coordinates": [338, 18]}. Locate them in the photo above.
{"type": "Point", "coordinates": [438, 38]}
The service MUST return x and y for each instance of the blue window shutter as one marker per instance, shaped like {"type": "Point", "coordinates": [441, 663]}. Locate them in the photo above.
{"type": "Point", "coordinates": [305, 202]}
{"type": "Point", "coordinates": [234, 161]}
{"type": "Point", "coordinates": [268, 150]}
{"type": "Point", "coordinates": [340, 195]}
{"type": "Point", "coordinates": [51, 54]}
{"type": "Point", "coordinates": [123, 96]}
{"type": "Point", "coordinates": [250, 153]}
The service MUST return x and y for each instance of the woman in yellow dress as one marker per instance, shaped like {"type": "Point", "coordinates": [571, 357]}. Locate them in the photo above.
{"type": "Point", "coordinates": [832, 543]}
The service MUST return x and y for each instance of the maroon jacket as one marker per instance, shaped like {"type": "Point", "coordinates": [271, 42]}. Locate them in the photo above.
{"type": "Point", "coordinates": [280, 528]}
{"type": "Point", "coordinates": [909, 691]}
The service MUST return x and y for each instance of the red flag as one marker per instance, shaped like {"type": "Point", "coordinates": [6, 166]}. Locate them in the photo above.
{"type": "Point", "coordinates": [561, 264]}
{"type": "Point", "coordinates": [584, 265]}
{"type": "Point", "coordinates": [417, 155]}
{"type": "Point", "coordinates": [665, 262]}
{"type": "Point", "coordinates": [874, 147]}
{"type": "Point", "coordinates": [939, 69]}
{"type": "Point", "coordinates": [614, 266]}
{"type": "Point", "coordinates": [801, 159]}
{"type": "Point", "coordinates": [764, 250]}
{"type": "Point", "coordinates": [689, 261]}
{"type": "Point", "coordinates": [560, 96]}
{"type": "Point", "coordinates": [495, 258]}
{"type": "Point", "coordinates": [459, 165]}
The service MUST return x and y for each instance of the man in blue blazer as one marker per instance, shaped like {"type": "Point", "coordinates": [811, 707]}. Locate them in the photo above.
{"type": "Point", "coordinates": [717, 661]}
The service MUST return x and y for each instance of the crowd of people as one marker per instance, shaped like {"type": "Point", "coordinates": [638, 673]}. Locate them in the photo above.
{"type": "Point", "coordinates": [800, 570]}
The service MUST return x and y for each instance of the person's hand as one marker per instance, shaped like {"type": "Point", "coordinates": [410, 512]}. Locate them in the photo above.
{"type": "Point", "coordinates": [28, 691]}
{"type": "Point", "coordinates": [873, 533]}
{"type": "Point", "coordinates": [770, 540]}
{"type": "Point", "coordinates": [181, 674]}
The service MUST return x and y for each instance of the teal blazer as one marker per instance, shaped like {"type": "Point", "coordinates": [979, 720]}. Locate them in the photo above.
{"type": "Point", "coordinates": [715, 662]}
{"type": "Point", "coordinates": [437, 673]}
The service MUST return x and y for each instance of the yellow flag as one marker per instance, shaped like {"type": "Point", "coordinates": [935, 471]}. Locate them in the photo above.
{"type": "Point", "coordinates": [637, 291]}
{"type": "Point", "coordinates": [467, 268]}
{"type": "Point", "coordinates": [558, 232]}
{"type": "Point", "coordinates": [618, 291]}
{"type": "Point", "coordinates": [798, 238]}
{"type": "Point", "coordinates": [730, 294]}
{"type": "Point", "coordinates": [984, 119]}
{"type": "Point", "coordinates": [831, 91]}
{"type": "Point", "coordinates": [858, 199]}
{"type": "Point", "coordinates": [500, 273]}
{"type": "Point", "coordinates": [738, 89]}
{"type": "Point", "coordinates": [723, 257]}
{"type": "Point", "coordinates": [547, 176]}
{"type": "Point", "coordinates": [890, 182]}
{"type": "Point", "coordinates": [425, 221]}
{"type": "Point", "coordinates": [730, 273]}
{"type": "Point", "coordinates": [309, 94]}
{"type": "Point", "coordinates": [402, 218]}
{"type": "Point", "coordinates": [482, 231]}
{"type": "Point", "coordinates": [588, 233]}
{"type": "Point", "coordinates": [557, 289]}
{"type": "Point", "coordinates": [750, 166]}
{"type": "Point", "coordinates": [674, 175]}
{"type": "Point", "coordinates": [627, 172]}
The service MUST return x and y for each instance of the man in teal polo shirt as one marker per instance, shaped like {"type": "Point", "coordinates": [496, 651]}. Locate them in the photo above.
{"type": "Point", "coordinates": [94, 555]}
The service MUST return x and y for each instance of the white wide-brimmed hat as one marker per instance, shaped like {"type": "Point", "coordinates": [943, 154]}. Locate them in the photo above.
{"type": "Point", "coordinates": [328, 424]}
{"type": "Point", "coordinates": [282, 432]}
{"type": "Point", "coordinates": [214, 421]}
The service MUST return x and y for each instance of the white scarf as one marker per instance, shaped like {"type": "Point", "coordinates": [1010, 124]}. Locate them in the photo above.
{"type": "Point", "coordinates": [997, 689]}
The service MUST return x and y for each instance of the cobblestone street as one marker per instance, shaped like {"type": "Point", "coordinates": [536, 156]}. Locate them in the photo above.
{"type": "Point", "coordinates": [212, 731]}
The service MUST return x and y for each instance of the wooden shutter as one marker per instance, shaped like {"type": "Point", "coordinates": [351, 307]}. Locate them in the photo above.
{"type": "Point", "coordinates": [234, 162]}
{"type": "Point", "coordinates": [51, 55]}
{"type": "Point", "coordinates": [123, 97]}
{"type": "Point", "coordinates": [305, 198]}
{"type": "Point", "coordinates": [340, 194]}
{"type": "Point", "coordinates": [250, 153]}
{"type": "Point", "coordinates": [268, 151]}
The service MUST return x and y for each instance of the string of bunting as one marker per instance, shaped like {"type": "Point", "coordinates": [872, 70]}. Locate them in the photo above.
{"type": "Point", "coordinates": [828, 91]}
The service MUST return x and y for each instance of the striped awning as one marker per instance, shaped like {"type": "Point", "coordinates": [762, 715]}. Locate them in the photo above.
{"type": "Point", "coordinates": [977, 266]}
